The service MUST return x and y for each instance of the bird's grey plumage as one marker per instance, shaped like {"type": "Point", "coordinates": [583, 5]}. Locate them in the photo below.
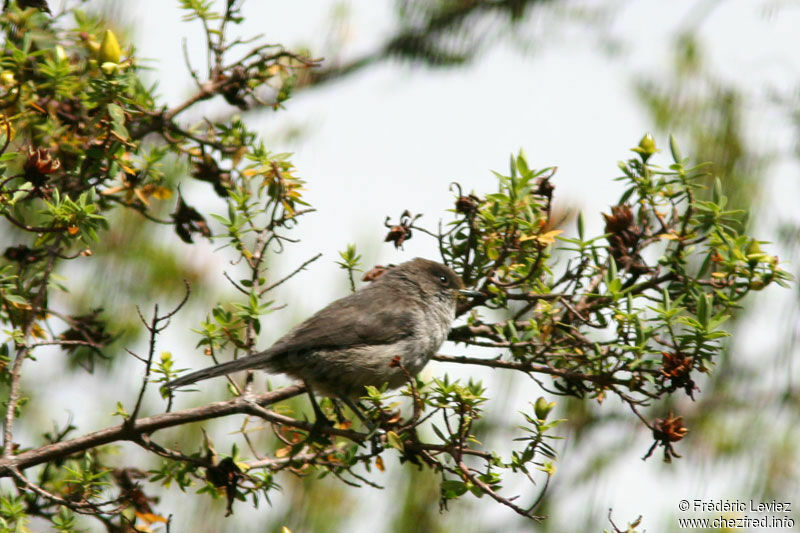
{"type": "Point", "coordinates": [406, 312]}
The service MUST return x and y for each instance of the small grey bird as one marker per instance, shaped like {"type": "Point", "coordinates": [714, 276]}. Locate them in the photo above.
{"type": "Point", "coordinates": [349, 344]}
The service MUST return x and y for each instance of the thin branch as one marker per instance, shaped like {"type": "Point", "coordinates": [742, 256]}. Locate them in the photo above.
{"type": "Point", "coordinates": [235, 285]}
{"type": "Point", "coordinates": [291, 275]}
{"type": "Point", "coordinates": [525, 366]}
{"type": "Point", "coordinates": [465, 471]}
{"type": "Point", "coordinates": [78, 507]}
{"type": "Point", "coordinates": [148, 425]}
{"type": "Point", "coordinates": [154, 328]}
{"type": "Point", "coordinates": [22, 354]}
{"type": "Point", "coordinates": [33, 229]}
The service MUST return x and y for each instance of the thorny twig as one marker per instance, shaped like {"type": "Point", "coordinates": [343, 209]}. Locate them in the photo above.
{"type": "Point", "coordinates": [154, 328]}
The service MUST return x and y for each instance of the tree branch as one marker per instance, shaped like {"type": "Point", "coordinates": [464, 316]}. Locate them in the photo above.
{"type": "Point", "coordinates": [121, 432]}
{"type": "Point", "coordinates": [525, 366]}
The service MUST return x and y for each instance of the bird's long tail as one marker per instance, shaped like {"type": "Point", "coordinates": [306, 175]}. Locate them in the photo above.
{"type": "Point", "coordinates": [229, 367]}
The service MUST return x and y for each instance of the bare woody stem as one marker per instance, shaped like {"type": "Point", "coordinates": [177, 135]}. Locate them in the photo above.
{"type": "Point", "coordinates": [22, 354]}
{"type": "Point", "coordinates": [525, 366]}
{"type": "Point", "coordinates": [144, 426]}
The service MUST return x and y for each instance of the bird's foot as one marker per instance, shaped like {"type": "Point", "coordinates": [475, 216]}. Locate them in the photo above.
{"type": "Point", "coordinates": [319, 430]}
{"type": "Point", "coordinates": [376, 438]}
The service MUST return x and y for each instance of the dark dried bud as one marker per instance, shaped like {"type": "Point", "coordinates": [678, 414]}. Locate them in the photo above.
{"type": "Point", "coordinates": [22, 254]}
{"type": "Point", "coordinates": [187, 221]}
{"type": "Point", "coordinates": [467, 204]}
{"type": "Point", "coordinates": [624, 239]}
{"type": "Point", "coordinates": [398, 235]}
{"type": "Point", "coordinates": [677, 367]}
{"type": "Point", "coordinates": [670, 429]}
{"type": "Point", "coordinates": [675, 364]}
{"type": "Point", "coordinates": [234, 90]}
{"type": "Point", "coordinates": [39, 165]}
{"type": "Point", "coordinates": [546, 188]}
{"type": "Point", "coordinates": [665, 432]}
{"type": "Point", "coordinates": [131, 491]}
{"type": "Point", "coordinates": [206, 169]}
{"type": "Point", "coordinates": [400, 232]}
{"type": "Point", "coordinates": [88, 328]}
{"type": "Point", "coordinates": [374, 273]}
{"type": "Point", "coordinates": [225, 474]}
{"type": "Point", "coordinates": [620, 219]}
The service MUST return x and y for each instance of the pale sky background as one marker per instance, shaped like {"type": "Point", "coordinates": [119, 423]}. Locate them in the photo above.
{"type": "Point", "coordinates": [393, 137]}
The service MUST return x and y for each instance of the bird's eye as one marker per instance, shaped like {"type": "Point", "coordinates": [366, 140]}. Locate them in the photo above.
{"type": "Point", "coordinates": [443, 279]}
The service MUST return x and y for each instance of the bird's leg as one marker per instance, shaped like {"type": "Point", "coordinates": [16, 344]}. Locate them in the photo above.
{"type": "Point", "coordinates": [321, 419]}
{"type": "Point", "coordinates": [338, 410]}
{"type": "Point", "coordinates": [357, 410]}
{"type": "Point", "coordinates": [375, 432]}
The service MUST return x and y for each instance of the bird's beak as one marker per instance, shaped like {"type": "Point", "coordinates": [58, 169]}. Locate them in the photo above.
{"type": "Point", "coordinates": [469, 293]}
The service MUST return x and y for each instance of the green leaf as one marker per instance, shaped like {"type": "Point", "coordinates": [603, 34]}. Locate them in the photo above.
{"type": "Point", "coordinates": [702, 309]}
{"type": "Point", "coordinates": [522, 164]}
{"type": "Point", "coordinates": [118, 120]}
{"type": "Point", "coordinates": [612, 269]}
{"type": "Point", "coordinates": [451, 488]}
{"type": "Point", "coordinates": [673, 148]}
{"type": "Point", "coordinates": [394, 440]}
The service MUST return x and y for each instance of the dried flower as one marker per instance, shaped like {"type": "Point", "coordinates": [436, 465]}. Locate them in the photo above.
{"type": "Point", "coordinates": [131, 490]}
{"type": "Point", "coordinates": [187, 221]}
{"type": "Point", "coordinates": [226, 474]}
{"type": "Point", "coordinates": [206, 169]}
{"type": "Point", "coordinates": [677, 367]}
{"type": "Point", "coordinates": [665, 432]}
{"type": "Point", "coordinates": [22, 254]}
{"type": "Point", "coordinates": [399, 233]}
{"type": "Point", "coordinates": [624, 239]}
{"type": "Point", "coordinates": [467, 204]}
{"type": "Point", "coordinates": [89, 328]}
{"type": "Point", "coordinates": [39, 165]}
{"type": "Point", "coordinates": [546, 188]}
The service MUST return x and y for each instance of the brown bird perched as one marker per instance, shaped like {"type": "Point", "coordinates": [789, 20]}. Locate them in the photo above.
{"type": "Point", "coordinates": [406, 313]}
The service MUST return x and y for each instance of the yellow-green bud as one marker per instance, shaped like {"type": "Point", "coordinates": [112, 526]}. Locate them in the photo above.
{"type": "Point", "coordinates": [647, 147]}
{"type": "Point", "coordinates": [754, 254]}
{"type": "Point", "coordinates": [7, 78]}
{"type": "Point", "coordinates": [753, 247]}
{"type": "Point", "coordinates": [94, 47]}
{"type": "Point", "coordinates": [108, 68]}
{"type": "Point", "coordinates": [109, 52]}
{"type": "Point", "coordinates": [542, 408]}
{"type": "Point", "coordinates": [648, 144]}
{"type": "Point", "coordinates": [61, 55]}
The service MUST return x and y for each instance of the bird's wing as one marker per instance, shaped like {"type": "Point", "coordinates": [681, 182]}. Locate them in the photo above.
{"type": "Point", "coordinates": [357, 319]}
